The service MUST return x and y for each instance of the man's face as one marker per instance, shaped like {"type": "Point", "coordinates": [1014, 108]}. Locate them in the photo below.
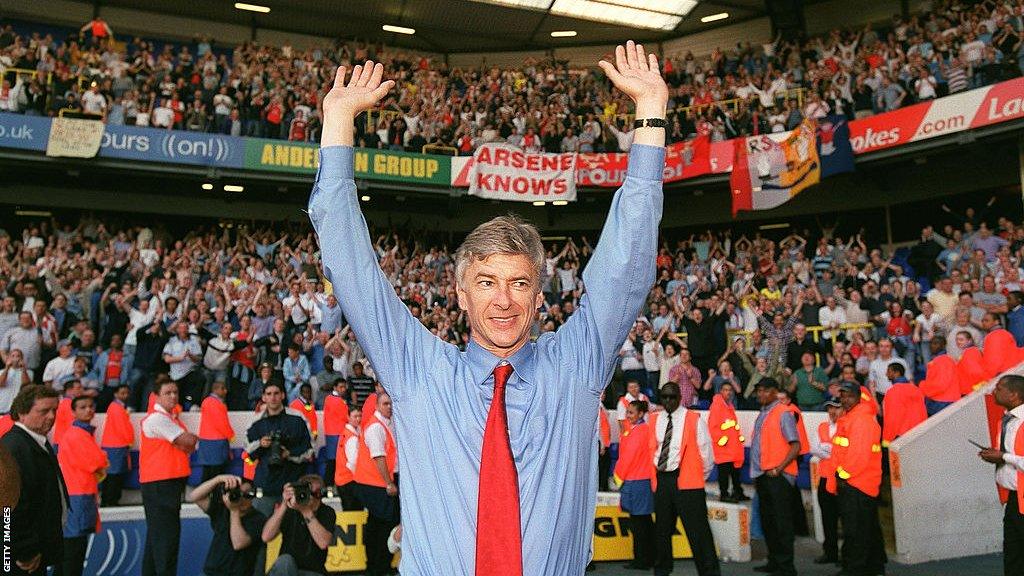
{"type": "Point", "coordinates": [182, 331]}
{"type": "Point", "coordinates": [501, 296]}
{"type": "Point", "coordinates": [25, 319]}
{"type": "Point", "coordinates": [225, 331]}
{"type": "Point", "coordinates": [834, 412]}
{"type": "Point", "coordinates": [123, 393]}
{"type": "Point", "coordinates": [273, 397]}
{"type": "Point", "coordinates": [1004, 396]}
{"type": "Point", "coordinates": [41, 417]}
{"type": "Point", "coordinates": [85, 409]}
{"type": "Point", "coordinates": [766, 395]}
{"type": "Point", "coordinates": [384, 406]}
{"type": "Point", "coordinates": [670, 398]}
{"type": "Point", "coordinates": [634, 389]}
{"type": "Point", "coordinates": [849, 399]}
{"type": "Point", "coordinates": [167, 397]}
{"type": "Point", "coordinates": [885, 348]}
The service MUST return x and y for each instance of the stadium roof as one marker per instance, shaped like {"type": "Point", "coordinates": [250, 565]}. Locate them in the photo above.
{"type": "Point", "coordinates": [449, 26]}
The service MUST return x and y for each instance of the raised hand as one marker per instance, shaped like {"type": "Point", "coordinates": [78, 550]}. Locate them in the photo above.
{"type": "Point", "coordinates": [637, 74]}
{"type": "Point", "coordinates": [344, 102]}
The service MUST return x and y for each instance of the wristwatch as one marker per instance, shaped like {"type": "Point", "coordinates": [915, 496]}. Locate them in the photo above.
{"type": "Point", "coordinates": [650, 123]}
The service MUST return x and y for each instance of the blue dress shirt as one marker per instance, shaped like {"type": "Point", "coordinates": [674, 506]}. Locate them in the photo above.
{"type": "Point", "coordinates": [441, 395]}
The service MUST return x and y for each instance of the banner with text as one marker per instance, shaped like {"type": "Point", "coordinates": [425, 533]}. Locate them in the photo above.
{"type": "Point", "coordinates": [683, 160]}
{"type": "Point", "coordinates": [772, 168]}
{"type": "Point", "coordinates": [172, 146]}
{"type": "Point", "coordinates": [505, 172]}
{"type": "Point", "coordinates": [303, 157]}
{"type": "Point", "coordinates": [74, 138]}
{"type": "Point", "coordinates": [24, 132]}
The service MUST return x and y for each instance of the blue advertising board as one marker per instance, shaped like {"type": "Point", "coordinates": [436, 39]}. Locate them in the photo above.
{"type": "Point", "coordinates": [172, 146]}
{"type": "Point", "coordinates": [24, 132]}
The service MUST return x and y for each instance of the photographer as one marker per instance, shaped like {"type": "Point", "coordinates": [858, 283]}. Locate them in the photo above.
{"type": "Point", "coordinates": [279, 439]}
{"type": "Point", "coordinates": [306, 528]}
{"type": "Point", "coordinates": [237, 526]}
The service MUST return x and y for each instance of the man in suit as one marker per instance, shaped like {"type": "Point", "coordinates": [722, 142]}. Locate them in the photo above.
{"type": "Point", "coordinates": [36, 536]}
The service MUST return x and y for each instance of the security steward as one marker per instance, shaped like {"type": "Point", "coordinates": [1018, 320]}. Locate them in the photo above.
{"type": "Point", "coordinates": [1009, 461]}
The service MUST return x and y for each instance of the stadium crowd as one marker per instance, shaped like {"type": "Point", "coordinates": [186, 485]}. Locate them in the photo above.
{"type": "Point", "coordinates": [274, 91]}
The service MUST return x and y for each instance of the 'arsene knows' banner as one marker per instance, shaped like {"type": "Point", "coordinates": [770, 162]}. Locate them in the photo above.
{"type": "Point", "coordinates": [283, 156]}
{"type": "Point", "coordinates": [505, 172]}
{"type": "Point", "coordinates": [74, 137]}
{"type": "Point", "coordinates": [682, 160]}
{"type": "Point", "coordinates": [772, 168]}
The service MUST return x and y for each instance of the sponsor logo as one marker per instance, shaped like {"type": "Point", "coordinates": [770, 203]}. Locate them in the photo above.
{"type": "Point", "coordinates": [1005, 110]}
{"type": "Point", "coordinates": [936, 127]}
{"type": "Point", "coordinates": [122, 141]}
{"type": "Point", "coordinates": [211, 148]}
{"type": "Point", "coordinates": [872, 139]}
{"type": "Point", "coordinates": [23, 132]}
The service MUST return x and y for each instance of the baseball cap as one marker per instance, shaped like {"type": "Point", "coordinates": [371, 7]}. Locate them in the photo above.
{"type": "Point", "coordinates": [849, 387]}
{"type": "Point", "coordinates": [833, 402]}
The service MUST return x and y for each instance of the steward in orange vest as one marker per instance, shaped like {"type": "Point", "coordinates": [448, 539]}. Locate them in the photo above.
{"type": "Point", "coordinates": [83, 465]}
{"type": "Point", "coordinates": [774, 449]}
{"type": "Point", "coordinates": [1009, 460]}
{"type": "Point", "coordinates": [682, 457]}
{"type": "Point", "coordinates": [828, 502]}
{"type": "Point", "coordinates": [118, 438]}
{"type": "Point", "coordinates": [633, 475]}
{"type": "Point", "coordinates": [65, 416]}
{"type": "Point", "coordinates": [336, 416]}
{"type": "Point", "coordinates": [727, 443]}
{"type": "Point", "coordinates": [857, 451]}
{"type": "Point", "coordinates": [163, 469]}
{"type": "Point", "coordinates": [348, 452]}
{"type": "Point", "coordinates": [903, 406]}
{"type": "Point", "coordinates": [303, 404]}
{"type": "Point", "coordinates": [215, 433]}
{"type": "Point", "coordinates": [604, 440]}
{"type": "Point", "coordinates": [376, 477]}
{"type": "Point", "coordinates": [632, 394]}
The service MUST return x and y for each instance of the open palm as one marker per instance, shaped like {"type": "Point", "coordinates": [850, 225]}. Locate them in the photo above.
{"type": "Point", "coordinates": [636, 73]}
{"type": "Point", "coordinates": [363, 91]}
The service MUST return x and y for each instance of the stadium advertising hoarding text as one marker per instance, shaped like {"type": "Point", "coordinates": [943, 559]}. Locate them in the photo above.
{"type": "Point", "coordinates": [964, 111]}
{"type": "Point", "coordinates": [301, 157]}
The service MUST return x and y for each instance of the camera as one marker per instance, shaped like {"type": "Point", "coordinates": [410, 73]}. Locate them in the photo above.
{"type": "Point", "coordinates": [235, 494]}
{"type": "Point", "coordinates": [274, 456]}
{"type": "Point", "coordinates": [303, 492]}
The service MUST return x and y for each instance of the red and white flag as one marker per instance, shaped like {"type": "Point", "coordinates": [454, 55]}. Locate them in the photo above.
{"type": "Point", "coordinates": [505, 172]}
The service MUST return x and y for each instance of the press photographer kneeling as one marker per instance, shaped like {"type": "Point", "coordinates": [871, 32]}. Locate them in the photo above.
{"type": "Point", "coordinates": [237, 526]}
{"type": "Point", "coordinates": [279, 439]}
{"type": "Point", "coordinates": [306, 528]}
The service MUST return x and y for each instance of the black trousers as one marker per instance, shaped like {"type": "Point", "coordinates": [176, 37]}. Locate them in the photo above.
{"type": "Point", "coordinates": [1013, 537]}
{"type": "Point", "coordinates": [190, 388]}
{"type": "Point", "coordinates": [642, 528]}
{"type": "Point", "coordinates": [111, 488]}
{"type": "Point", "coordinates": [775, 502]}
{"type": "Point", "coordinates": [74, 555]}
{"type": "Point", "coordinates": [604, 464]}
{"type": "Point", "coordinates": [161, 501]}
{"type": "Point", "coordinates": [381, 518]}
{"type": "Point", "coordinates": [863, 549]}
{"type": "Point", "coordinates": [729, 472]}
{"type": "Point", "coordinates": [691, 507]}
{"type": "Point", "coordinates": [330, 467]}
{"type": "Point", "coordinates": [347, 494]}
{"type": "Point", "coordinates": [829, 505]}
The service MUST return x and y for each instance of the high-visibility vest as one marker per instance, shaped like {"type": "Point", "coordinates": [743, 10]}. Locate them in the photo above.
{"type": "Point", "coordinates": [342, 474]}
{"type": "Point", "coordinates": [635, 456]}
{"type": "Point", "coordinates": [1018, 449]}
{"type": "Point", "coordinates": [774, 445]}
{"type": "Point", "coordinates": [369, 409]}
{"type": "Point", "coordinates": [857, 450]}
{"type": "Point", "coordinates": [65, 416]}
{"type": "Point", "coordinates": [691, 463]}
{"type": "Point", "coordinates": [366, 470]}
{"type": "Point", "coordinates": [308, 412]}
{"type": "Point", "coordinates": [213, 420]}
{"type": "Point", "coordinates": [335, 415]}
{"type": "Point", "coordinates": [904, 408]}
{"type": "Point", "coordinates": [801, 430]}
{"type": "Point", "coordinates": [117, 429]}
{"type": "Point", "coordinates": [941, 385]}
{"type": "Point", "coordinates": [248, 466]}
{"type": "Point", "coordinates": [81, 461]}
{"type": "Point", "coordinates": [605, 428]}
{"type": "Point", "coordinates": [158, 458]}
{"type": "Point", "coordinates": [6, 423]}
{"type": "Point", "coordinates": [724, 427]}
{"type": "Point", "coordinates": [826, 466]}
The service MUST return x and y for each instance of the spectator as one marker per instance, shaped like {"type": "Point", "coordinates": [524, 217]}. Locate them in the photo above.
{"type": "Point", "coordinates": [182, 354]}
{"type": "Point", "coordinates": [13, 378]}
{"type": "Point", "coordinates": [279, 440]}
{"type": "Point", "coordinates": [296, 371]}
{"type": "Point", "coordinates": [306, 528]}
{"type": "Point", "coordinates": [25, 338]}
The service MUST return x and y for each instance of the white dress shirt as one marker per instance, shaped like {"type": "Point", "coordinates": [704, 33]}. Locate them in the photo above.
{"type": "Point", "coordinates": [352, 449]}
{"type": "Point", "coordinates": [161, 424]}
{"type": "Point", "coordinates": [703, 440]}
{"type": "Point", "coordinates": [1006, 475]}
{"type": "Point", "coordinates": [376, 437]}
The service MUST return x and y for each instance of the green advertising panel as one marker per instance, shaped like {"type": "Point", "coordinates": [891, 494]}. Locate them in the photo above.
{"type": "Point", "coordinates": [302, 157]}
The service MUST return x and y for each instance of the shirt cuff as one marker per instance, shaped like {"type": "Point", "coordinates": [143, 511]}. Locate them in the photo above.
{"type": "Point", "coordinates": [336, 162]}
{"type": "Point", "coordinates": [646, 162]}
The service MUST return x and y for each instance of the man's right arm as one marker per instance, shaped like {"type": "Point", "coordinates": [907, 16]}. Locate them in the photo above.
{"type": "Point", "coordinates": [389, 334]}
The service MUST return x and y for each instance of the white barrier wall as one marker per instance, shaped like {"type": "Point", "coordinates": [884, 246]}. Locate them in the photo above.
{"type": "Point", "coordinates": [946, 504]}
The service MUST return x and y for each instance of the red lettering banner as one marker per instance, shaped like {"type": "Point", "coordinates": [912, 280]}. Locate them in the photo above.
{"type": "Point", "coordinates": [504, 172]}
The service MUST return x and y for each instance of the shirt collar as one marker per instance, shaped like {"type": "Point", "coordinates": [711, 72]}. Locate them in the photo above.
{"type": "Point", "coordinates": [39, 438]}
{"type": "Point", "coordinates": [482, 364]}
{"type": "Point", "coordinates": [1018, 412]}
{"type": "Point", "coordinates": [87, 427]}
{"type": "Point", "coordinates": [769, 407]}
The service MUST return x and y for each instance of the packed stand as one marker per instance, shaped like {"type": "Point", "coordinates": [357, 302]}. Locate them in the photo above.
{"type": "Point", "coordinates": [273, 92]}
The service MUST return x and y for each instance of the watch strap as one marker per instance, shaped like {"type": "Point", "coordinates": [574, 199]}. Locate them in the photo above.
{"type": "Point", "coordinates": [650, 123]}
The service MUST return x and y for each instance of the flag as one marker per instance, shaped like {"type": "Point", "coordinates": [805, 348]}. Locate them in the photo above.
{"type": "Point", "coordinates": [770, 169]}
{"type": "Point", "coordinates": [834, 148]}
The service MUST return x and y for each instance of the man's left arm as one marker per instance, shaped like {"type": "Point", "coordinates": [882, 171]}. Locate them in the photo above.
{"type": "Point", "coordinates": [621, 271]}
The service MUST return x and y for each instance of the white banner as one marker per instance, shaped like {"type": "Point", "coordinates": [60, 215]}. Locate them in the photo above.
{"type": "Point", "coordinates": [505, 172]}
{"type": "Point", "coordinates": [75, 138]}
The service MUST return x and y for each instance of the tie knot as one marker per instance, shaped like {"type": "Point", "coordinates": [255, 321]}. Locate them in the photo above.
{"type": "Point", "coordinates": [501, 374]}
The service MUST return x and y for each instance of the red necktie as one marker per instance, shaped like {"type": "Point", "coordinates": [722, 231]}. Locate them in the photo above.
{"type": "Point", "coordinates": [499, 545]}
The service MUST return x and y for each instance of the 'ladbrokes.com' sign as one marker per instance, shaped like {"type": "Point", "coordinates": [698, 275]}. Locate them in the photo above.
{"type": "Point", "coordinates": [282, 156]}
